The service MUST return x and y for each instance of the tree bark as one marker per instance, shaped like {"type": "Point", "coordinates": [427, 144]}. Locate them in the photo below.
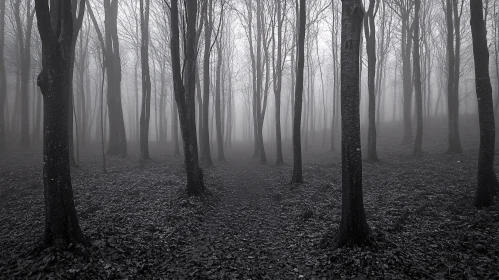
{"type": "Point", "coordinates": [417, 82]}
{"type": "Point", "coordinates": [218, 115]}
{"type": "Point", "coordinates": [354, 229]}
{"type": "Point", "coordinates": [487, 180]}
{"type": "Point", "coordinates": [3, 78]}
{"type": "Point", "coordinates": [56, 33]}
{"type": "Point", "coordinates": [145, 114]}
{"type": "Point", "coordinates": [185, 93]}
{"type": "Point", "coordinates": [25, 64]}
{"type": "Point", "coordinates": [370, 33]}
{"type": "Point", "coordinates": [297, 158]}
{"type": "Point", "coordinates": [452, 82]}
{"type": "Point", "coordinates": [278, 84]}
{"type": "Point", "coordinates": [206, 155]}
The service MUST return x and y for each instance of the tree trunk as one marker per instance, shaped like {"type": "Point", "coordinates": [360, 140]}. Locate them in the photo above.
{"type": "Point", "coordinates": [3, 78]}
{"type": "Point", "coordinates": [25, 64]}
{"type": "Point", "coordinates": [354, 229]}
{"type": "Point", "coordinates": [278, 85]}
{"type": "Point", "coordinates": [61, 222]}
{"type": "Point", "coordinates": [297, 159]}
{"type": "Point", "coordinates": [452, 84]}
{"type": "Point", "coordinates": [417, 83]}
{"type": "Point", "coordinates": [145, 114]}
{"type": "Point", "coordinates": [185, 93]}
{"type": "Point", "coordinates": [218, 115]}
{"type": "Point", "coordinates": [370, 33]}
{"type": "Point", "coordinates": [206, 156]}
{"type": "Point", "coordinates": [487, 180]}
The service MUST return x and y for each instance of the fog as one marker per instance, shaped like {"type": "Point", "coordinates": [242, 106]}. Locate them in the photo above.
{"type": "Point", "coordinates": [220, 139]}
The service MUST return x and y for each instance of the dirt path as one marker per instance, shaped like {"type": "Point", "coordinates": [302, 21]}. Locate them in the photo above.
{"type": "Point", "coordinates": [246, 227]}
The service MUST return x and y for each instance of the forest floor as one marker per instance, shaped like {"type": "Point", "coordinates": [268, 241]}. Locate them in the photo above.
{"type": "Point", "coordinates": [255, 225]}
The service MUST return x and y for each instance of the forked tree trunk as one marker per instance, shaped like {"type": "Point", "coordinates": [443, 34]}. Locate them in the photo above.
{"type": "Point", "coordinates": [354, 229]}
{"type": "Point", "coordinates": [297, 159]}
{"type": "Point", "coordinates": [185, 93]}
{"type": "Point", "coordinates": [56, 33]}
{"type": "Point", "coordinates": [487, 180]}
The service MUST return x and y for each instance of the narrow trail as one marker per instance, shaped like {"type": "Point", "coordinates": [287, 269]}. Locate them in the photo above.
{"type": "Point", "coordinates": [249, 224]}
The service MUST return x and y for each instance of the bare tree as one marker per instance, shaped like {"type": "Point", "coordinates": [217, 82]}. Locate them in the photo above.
{"type": "Point", "coordinates": [370, 33]}
{"type": "Point", "coordinates": [55, 26]}
{"type": "Point", "coordinates": [3, 78]}
{"type": "Point", "coordinates": [353, 226]}
{"type": "Point", "coordinates": [185, 92]}
{"type": "Point", "coordinates": [453, 19]}
{"type": "Point", "coordinates": [487, 180]}
{"type": "Point", "coordinates": [110, 45]}
{"type": "Point", "coordinates": [417, 81]}
{"type": "Point", "coordinates": [297, 158]}
{"type": "Point", "coordinates": [145, 114]}
{"type": "Point", "coordinates": [24, 41]}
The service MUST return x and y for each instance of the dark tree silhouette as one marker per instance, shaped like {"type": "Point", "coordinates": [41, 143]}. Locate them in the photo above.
{"type": "Point", "coordinates": [55, 26]}
{"type": "Point", "coordinates": [370, 33]}
{"type": "Point", "coordinates": [297, 159]}
{"type": "Point", "coordinates": [453, 54]}
{"type": "Point", "coordinates": [145, 114]}
{"type": "Point", "coordinates": [205, 135]}
{"type": "Point", "coordinates": [487, 180]}
{"type": "Point", "coordinates": [278, 66]}
{"type": "Point", "coordinates": [185, 92]}
{"type": "Point", "coordinates": [353, 227]}
{"type": "Point", "coordinates": [77, 11]}
{"type": "Point", "coordinates": [24, 41]}
{"type": "Point", "coordinates": [3, 78]}
{"type": "Point", "coordinates": [417, 82]}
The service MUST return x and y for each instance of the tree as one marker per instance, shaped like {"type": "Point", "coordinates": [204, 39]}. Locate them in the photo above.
{"type": "Point", "coordinates": [403, 9]}
{"type": "Point", "coordinates": [278, 67]}
{"type": "Point", "coordinates": [353, 226]}
{"type": "Point", "coordinates": [24, 41]}
{"type": "Point", "coordinates": [370, 33]}
{"type": "Point", "coordinates": [3, 78]}
{"type": "Point", "coordinates": [487, 180]}
{"type": "Point", "coordinates": [453, 18]}
{"type": "Point", "coordinates": [55, 26]}
{"type": "Point", "coordinates": [110, 45]}
{"type": "Point", "coordinates": [208, 23]}
{"type": "Point", "coordinates": [218, 89]}
{"type": "Point", "coordinates": [297, 159]}
{"type": "Point", "coordinates": [145, 114]}
{"type": "Point", "coordinates": [185, 92]}
{"type": "Point", "coordinates": [77, 15]}
{"type": "Point", "coordinates": [417, 81]}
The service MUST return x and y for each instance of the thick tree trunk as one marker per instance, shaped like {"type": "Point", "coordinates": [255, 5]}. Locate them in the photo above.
{"type": "Point", "coordinates": [354, 229]}
{"type": "Point", "coordinates": [61, 222]}
{"type": "Point", "coordinates": [297, 158]}
{"type": "Point", "coordinates": [185, 93]}
{"type": "Point", "coordinates": [145, 114]}
{"type": "Point", "coordinates": [417, 83]}
{"type": "Point", "coordinates": [487, 180]}
{"type": "Point", "coordinates": [117, 135]}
